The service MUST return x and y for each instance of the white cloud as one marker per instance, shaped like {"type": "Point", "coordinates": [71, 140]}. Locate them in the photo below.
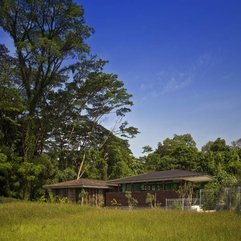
{"type": "Point", "coordinates": [177, 82]}
{"type": "Point", "coordinates": [169, 81]}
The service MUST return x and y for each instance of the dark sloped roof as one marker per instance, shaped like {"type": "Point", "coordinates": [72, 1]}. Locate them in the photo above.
{"type": "Point", "coordinates": [164, 176]}
{"type": "Point", "coordinates": [82, 182]}
{"type": "Point", "coordinates": [147, 177]}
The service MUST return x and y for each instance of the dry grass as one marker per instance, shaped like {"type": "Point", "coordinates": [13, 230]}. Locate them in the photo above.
{"type": "Point", "coordinates": [47, 222]}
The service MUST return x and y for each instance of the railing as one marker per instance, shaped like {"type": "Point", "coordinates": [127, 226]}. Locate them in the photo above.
{"type": "Point", "coordinates": [225, 198]}
{"type": "Point", "coordinates": [181, 203]}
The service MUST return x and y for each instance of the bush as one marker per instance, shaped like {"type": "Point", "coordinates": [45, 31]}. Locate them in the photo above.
{"type": "Point", "coordinates": [114, 203]}
{"type": "Point", "coordinates": [150, 200]}
{"type": "Point", "coordinates": [130, 199]}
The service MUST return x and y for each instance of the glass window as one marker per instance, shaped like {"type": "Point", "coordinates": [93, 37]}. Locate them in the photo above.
{"type": "Point", "coordinates": [65, 192]}
{"type": "Point", "coordinates": [160, 186]}
{"type": "Point", "coordinates": [174, 186]}
{"type": "Point", "coordinates": [171, 186]}
{"type": "Point", "coordinates": [167, 186]}
{"type": "Point", "coordinates": [137, 187]}
{"type": "Point", "coordinates": [128, 187]}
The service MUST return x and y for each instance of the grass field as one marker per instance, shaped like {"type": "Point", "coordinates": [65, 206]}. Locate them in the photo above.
{"type": "Point", "coordinates": [37, 222]}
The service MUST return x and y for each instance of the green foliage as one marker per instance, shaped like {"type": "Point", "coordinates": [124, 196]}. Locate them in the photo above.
{"type": "Point", "coordinates": [51, 108]}
{"type": "Point", "coordinates": [216, 196]}
{"type": "Point", "coordinates": [50, 196]}
{"type": "Point", "coordinates": [146, 149]}
{"type": "Point", "coordinates": [114, 203]}
{"type": "Point", "coordinates": [83, 197]}
{"type": "Point", "coordinates": [150, 200]}
{"type": "Point", "coordinates": [119, 159]}
{"type": "Point", "coordinates": [177, 153]}
{"type": "Point", "coordinates": [132, 202]}
{"type": "Point", "coordinates": [62, 200]}
{"type": "Point", "coordinates": [100, 200]}
{"type": "Point", "coordinates": [216, 158]}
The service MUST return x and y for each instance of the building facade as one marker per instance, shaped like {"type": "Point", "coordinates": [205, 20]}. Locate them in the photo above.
{"type": "Point", "coordinates": [162, 185]}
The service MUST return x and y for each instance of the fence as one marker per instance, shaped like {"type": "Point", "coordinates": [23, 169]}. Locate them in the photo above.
{"type": "Point", "coordinates": [228, 198]}
{"type": "Point", "coordinates": [181, 203]}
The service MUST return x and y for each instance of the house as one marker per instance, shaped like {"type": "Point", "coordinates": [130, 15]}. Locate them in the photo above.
{"type": "Point", "coordinates": [162, 184]}
{"type": "Point", "coordinates": [83, 190]}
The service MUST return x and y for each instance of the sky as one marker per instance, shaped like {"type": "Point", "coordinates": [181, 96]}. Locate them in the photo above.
{"type": "Point", "coordinates": [180, 59]}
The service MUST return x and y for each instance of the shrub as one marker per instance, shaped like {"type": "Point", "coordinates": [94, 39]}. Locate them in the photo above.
{"type": "Point", "coordinates": [114, 203]}
{"type": "Point", "coordinates": [130, 199]}
{"type": "Point", "coordinates": [150, 200]}
{"type": "Point", "coordinates": [83, 196]}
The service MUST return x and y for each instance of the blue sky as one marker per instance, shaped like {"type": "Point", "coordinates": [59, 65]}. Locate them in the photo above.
{"type": "Point", "coordinates": [180, 59]}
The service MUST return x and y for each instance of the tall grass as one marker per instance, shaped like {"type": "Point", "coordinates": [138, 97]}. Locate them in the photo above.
{"type": "Point", "coordinates": [36, 222]}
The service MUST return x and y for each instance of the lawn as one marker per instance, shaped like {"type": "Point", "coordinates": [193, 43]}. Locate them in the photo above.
{"type": "Point", "coordinates": [42, 221]}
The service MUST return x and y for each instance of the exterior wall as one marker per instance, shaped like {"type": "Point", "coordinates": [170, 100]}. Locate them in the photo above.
{"type": "Point", "coordinates": [93, 196]}
{"type": "Point", "coordinates": [140, 197]}
{"type": "Point", "coordinates": [70, 193]}
{"type": "Point", "coordinates": [99, 196]}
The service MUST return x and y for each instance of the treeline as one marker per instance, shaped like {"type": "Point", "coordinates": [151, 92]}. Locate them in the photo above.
{"type": "Point", "coordinates": [54, 97]}
{"type": "Point", "coordinates": [216, 158]}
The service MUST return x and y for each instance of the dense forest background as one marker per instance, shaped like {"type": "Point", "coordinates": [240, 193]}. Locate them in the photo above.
{"type": "Point", "coordinates": [54, 97]}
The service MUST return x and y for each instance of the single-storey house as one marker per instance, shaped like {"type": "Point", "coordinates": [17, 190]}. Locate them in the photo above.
{"type": "Point", "coordinates": [162, 184]}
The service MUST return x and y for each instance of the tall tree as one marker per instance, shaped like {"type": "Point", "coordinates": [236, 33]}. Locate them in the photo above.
{"type": "Point", "coordinates": [63, 92]}
{"type": "Point", "coordinates": [221, 160]}
{"type": "Point", "coordinates": [178, 152]}
{"type": "Point", "coordinates": [45, 34]}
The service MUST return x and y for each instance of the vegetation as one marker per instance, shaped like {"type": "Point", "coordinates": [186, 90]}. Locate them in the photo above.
{"type": "Point", "coordinates": [151, 200]}
{"type": "Point", "coordinates": [216, 158]}
{"type": "Point", "coordinates": [54, 96]}
{"type": "Point", "coordinates": [114, 203]}
{"type": "Point", "coordinates": [132, 202]}
{"type": "Point", "coordinates": [40, 221]}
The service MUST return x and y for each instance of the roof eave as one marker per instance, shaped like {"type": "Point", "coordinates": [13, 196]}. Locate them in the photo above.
{"type": "Point", "coordinates": [162, 179]}
{"type": "Point", "coordinates": [79, 186]}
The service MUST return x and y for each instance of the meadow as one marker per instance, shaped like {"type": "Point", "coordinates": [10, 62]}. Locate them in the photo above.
{"type": "Point", "coordinates": [28, 221]}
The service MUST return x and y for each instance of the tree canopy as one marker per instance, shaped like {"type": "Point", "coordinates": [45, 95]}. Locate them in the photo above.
{"type": "Point", "coordinates": [54, 97]}
{"type": "Point", "coordinates": [216, 158]}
